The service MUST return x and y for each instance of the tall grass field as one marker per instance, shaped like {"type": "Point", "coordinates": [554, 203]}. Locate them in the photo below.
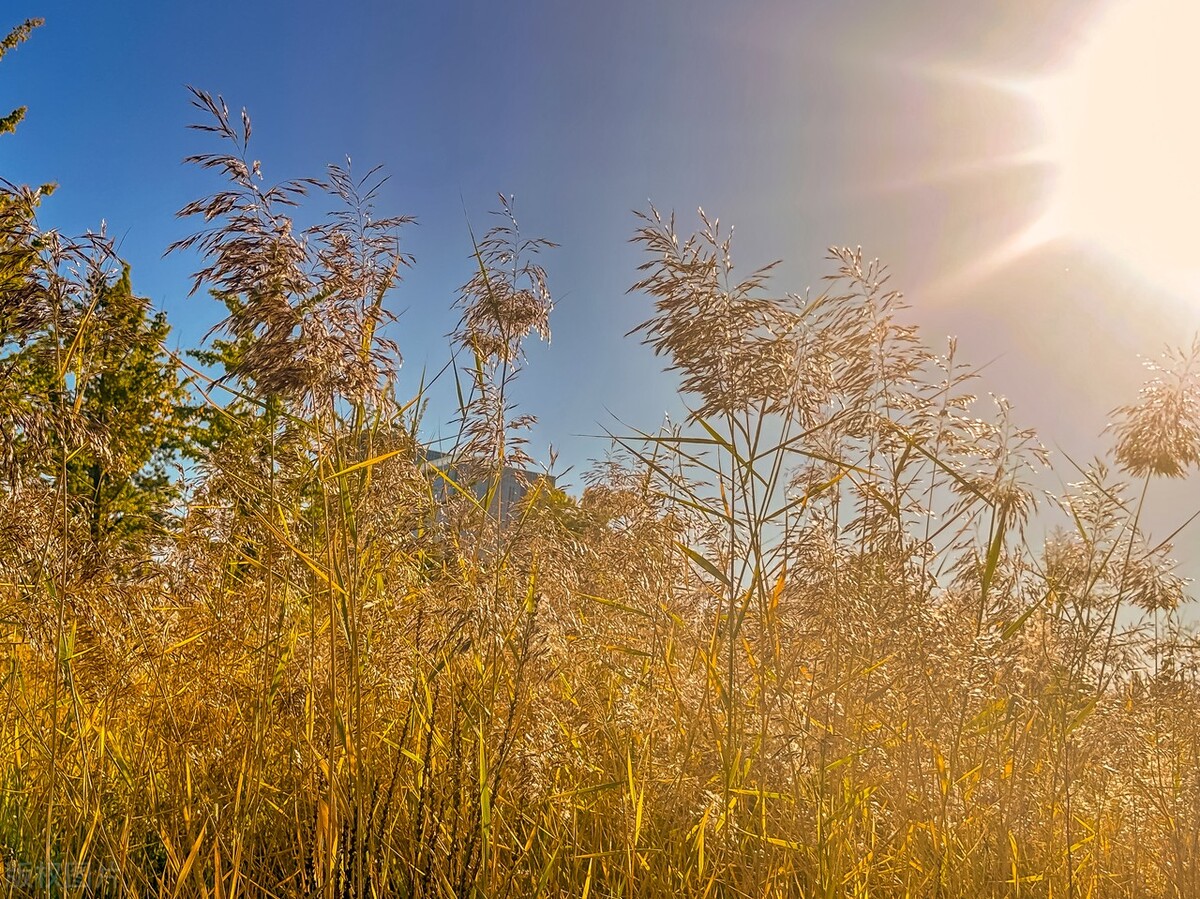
{"type": "Point", "coordinates": [830, 636]}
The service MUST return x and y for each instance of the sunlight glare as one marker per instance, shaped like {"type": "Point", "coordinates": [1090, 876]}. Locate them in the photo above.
{"type": "Point", "coordinates": [1126, 138]}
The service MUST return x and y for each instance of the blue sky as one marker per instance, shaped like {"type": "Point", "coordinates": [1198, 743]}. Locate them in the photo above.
{"type": "Point", "coordinates": [805, 124]}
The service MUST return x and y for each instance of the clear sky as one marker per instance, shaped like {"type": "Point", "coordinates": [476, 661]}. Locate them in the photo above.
{"type": "Point", "coordinates": [902, 127]}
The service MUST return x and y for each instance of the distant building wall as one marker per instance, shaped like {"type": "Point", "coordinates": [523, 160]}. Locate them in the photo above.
{"type": "Point", "coordinates": [515, 484]}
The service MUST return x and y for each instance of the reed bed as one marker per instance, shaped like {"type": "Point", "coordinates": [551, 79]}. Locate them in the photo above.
{"type": "Point", "coordinates": [830, 636]}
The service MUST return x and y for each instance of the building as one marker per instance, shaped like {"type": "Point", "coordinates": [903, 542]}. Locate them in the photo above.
{"type": "Point", "coordinates": [515, 484]}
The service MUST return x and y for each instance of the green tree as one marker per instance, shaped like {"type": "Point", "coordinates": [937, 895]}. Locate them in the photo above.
{"type": "Point", "coordinates": [91, 401]}
{"type": "Point", "coordinates": [111, 371]}
{"type": "Point", "coordinates": [17, 36]}
{"type": "Point", "coordinates": [18, 239]}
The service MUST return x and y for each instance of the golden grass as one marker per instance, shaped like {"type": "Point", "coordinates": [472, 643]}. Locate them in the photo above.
{"type": "Point", "coordinates": [802, 646]}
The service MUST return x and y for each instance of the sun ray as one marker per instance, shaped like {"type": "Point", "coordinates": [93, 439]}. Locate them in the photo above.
{"type": "Point", "coordinates": [965, 171]}
{"type": "Point", "coordinates": [1123, 135]}
{"type": "Point", "coordinates": [1120, 136]}
{"type": "Point", "coordinates": [1037, 235]}
{"type": "Point", "coordinates": [1039, 153]}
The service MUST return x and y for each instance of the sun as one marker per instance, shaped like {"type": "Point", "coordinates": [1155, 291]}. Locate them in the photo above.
{"type": "Point", "coordinates": [1124, 117]}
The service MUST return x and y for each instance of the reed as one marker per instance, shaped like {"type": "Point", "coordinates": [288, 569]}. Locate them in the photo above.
{"type": "Point", "coordinates": [808, 642]}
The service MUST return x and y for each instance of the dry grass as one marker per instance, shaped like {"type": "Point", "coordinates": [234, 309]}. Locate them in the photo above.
{"type": "Point", "coordinates": [801, 646]}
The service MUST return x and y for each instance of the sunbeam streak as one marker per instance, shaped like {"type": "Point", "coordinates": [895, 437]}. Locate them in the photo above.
{"type": "Point", "coordinates": [1124, 137]}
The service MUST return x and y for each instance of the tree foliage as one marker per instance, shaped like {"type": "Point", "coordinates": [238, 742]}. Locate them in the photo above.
{"type": "Point", "coordinates": [17, 36]}
{"type": "Point", "coordinates": [111, 373]}
{"type": "Point", "coordinates": [92, 405]}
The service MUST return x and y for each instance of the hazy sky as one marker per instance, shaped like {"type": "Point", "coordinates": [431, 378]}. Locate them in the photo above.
{"type": "Point", "coordinates": [879, 123]}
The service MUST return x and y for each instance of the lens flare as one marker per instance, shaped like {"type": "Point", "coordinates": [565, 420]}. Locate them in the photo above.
{"type": "Point", "coordinates": [1124, 120]}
